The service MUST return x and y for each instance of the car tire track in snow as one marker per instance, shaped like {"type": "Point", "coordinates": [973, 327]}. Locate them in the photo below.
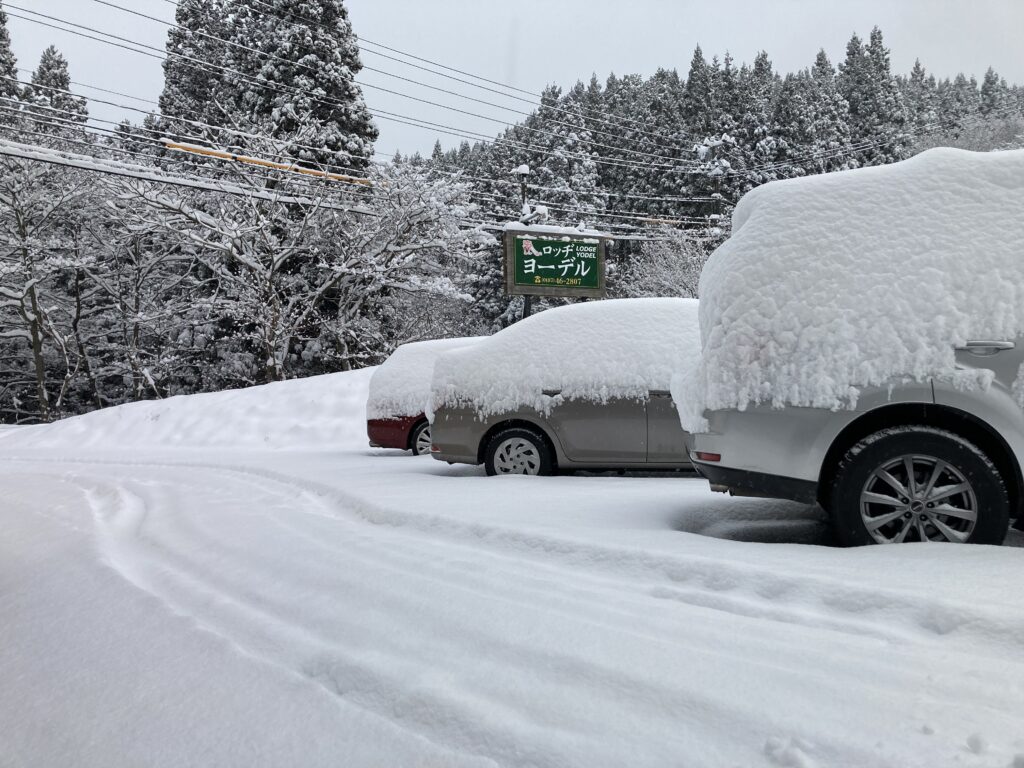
{"type": "Point", "coordinates": [530, 648]}
{"type": "Point", "coordinates": [710, 582]}
{"type": "Point", "coordinates": [732, 587]}
{"type": "Point", "coordinates": [98, 673]}
{"type": "Point", "coordinates": [373, 675]}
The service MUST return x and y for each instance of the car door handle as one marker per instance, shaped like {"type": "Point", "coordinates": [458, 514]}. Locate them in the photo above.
{"type": "Point", "coordinates": [986, 347]}
{"type": "Point", "coordinates": [551, 392]}
{"type": "Point", "coordinates": [659, 393]}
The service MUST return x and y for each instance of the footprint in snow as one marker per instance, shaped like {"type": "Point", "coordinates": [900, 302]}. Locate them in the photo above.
{"type": "Point", "coordinates": [788, 753]}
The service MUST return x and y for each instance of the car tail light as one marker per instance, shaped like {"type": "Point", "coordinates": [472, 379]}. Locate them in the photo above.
{"type": "Point", "coordinates": [435, 448]}
{"type": "Point", "coordinates": [702, 456]}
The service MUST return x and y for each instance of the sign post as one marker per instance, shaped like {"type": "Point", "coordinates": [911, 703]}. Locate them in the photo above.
{"type": "Point", "coordinates": [551, 261]}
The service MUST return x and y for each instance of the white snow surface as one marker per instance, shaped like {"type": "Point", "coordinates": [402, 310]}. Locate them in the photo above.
{"type": "Point", "coordinates": [597, 350]}
{"type": "Point", "coordinates": [221, 604]}
{"type": "Point", "coordinates": [833, 283]}
{"type": "Point", "coordinates": [401, 384]}
{"type": "Point", "coordinates": [315, 412]}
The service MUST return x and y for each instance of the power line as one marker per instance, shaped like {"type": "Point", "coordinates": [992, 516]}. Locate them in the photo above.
{"type": "Point", "coordinates": [600, 192]}
{"type": "Point", "coordinates": [417, 122]}
{"type": "Point", "coordinates": [68, 125]}
{"type": "Point", "coordinates": [29, 112]}
{"type": "Point", "coordinates": [114, 168]}
{"type": "Point", "coordinates": [196, 123]}
{"type": "Point", "coordinates": [386, 74]}
{"type": "Point", "coordinates": [856, 148]}
{"type": "Point", "coordinates": [617, 121]}
{"type": "Point", "coordinates": [639, 216]}
{"type": "Point", "coordinates": [318, 98]}
{"type": "Point", "coordinates": [32, 112]}
{"type": "Point", "coordinates": [620, 233]}
{"type": "Point", "coordinates": [394, 50]}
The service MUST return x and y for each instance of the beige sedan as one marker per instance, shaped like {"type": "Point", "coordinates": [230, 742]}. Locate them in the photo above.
{"type": "Point", "coordinates": [620, 434]}
{"type": "Point", "coordinates": [578, 387]}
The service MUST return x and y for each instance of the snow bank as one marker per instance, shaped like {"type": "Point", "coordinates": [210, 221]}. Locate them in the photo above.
{"type": "Point", "coordinates": [401, 385]}
{"type": "Point", "coordinates": [833, 283]}
{"type": "Point", "coordinates": [594, 351]}
{"type": "Point", "coordinates": [317, 412]}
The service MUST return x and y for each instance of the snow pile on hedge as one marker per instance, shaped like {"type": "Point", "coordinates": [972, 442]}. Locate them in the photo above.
{"type": "Point", "coordinates": [837, 282]}
{"type": "Point", "coordinates": [594, 351]}
{"type": "Point", "coordinates": [320, 412]}
{"type": "Point", "coordinates": [401, 385]}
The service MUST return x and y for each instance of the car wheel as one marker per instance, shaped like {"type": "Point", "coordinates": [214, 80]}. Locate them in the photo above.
{"type": "Point", "coordinates": [518, 451]}
{"type": "Point", "coordinates": [419, 440]}
{"type": "Point", "coordinates": [916, 483]}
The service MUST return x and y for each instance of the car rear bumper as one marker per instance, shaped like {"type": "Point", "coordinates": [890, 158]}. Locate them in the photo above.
{"type": "Point", "coordinates": [741, 482]}
{"type": "Point", "coordinates": [391, 433]}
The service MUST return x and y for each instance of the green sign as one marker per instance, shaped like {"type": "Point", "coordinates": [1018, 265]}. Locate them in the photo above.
{"type": "Point", "coordinates": [555, 267]}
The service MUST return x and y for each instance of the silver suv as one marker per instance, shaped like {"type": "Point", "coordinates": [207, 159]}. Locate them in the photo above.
{"type": "Point", "coordinates": [914, 462]}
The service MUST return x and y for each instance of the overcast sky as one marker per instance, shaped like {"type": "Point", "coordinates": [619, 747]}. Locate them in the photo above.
{"type": "Point", "coordinates": [530, 43]}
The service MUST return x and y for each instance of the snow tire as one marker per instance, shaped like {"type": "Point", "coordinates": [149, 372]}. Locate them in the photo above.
{"type": "Point", "coordinates": [965, 460]}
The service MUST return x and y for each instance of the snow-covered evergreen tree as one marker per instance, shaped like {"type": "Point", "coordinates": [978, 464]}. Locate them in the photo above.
{"type": "Point", "coordinates": [878, 118]}
{"type": "Point", "coordinates": [920, 97]}
{"type": "Point", "coordinates": [959, 102]}
{"type": "Point", "coordinates": [830, 120]}
{"type": "Point", "coordinates": [666, 147]}
{"type": "Point", "coordinates": [810, 124]}
{"type": "Point", "coordinates": [755, 142]}
{"type": "Point", "coordinates": [298, 80]}
{"type": "Point", "coordinates": [8, 63]}
{"type": "Point", "coordinates": [565, 172]}
{"type": "Point", "coordinates": [994, 95]}
{"type": "Point", "coordinates": [728, 100]}
{"type": "Point", "coordinates": [190, 74]}
{"type": "Point", "coordinates": [49, 99]}
{"type": "Point", "coordinates": [697, 107]}
{"type": "Point", "coordinates": [623, 98]}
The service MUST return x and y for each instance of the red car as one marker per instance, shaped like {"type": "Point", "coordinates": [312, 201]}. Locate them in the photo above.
{"type": "Point", "coordinates": [408, 433]}
{"type": "Point", "coordinates": [399, 390]}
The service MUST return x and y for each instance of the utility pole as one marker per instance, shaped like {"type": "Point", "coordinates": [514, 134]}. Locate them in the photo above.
{"type": "Point", "coordinates": [523, 171]}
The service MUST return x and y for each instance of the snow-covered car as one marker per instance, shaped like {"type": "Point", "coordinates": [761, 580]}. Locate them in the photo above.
{"type": "Point", "coordinates": [399, 390]}
{"type": "Point", "coordinates": [576, 387]}
{"type": "Point", "coordinates": [863, 341]}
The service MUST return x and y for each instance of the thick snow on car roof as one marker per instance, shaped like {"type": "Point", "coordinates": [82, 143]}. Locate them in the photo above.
{"type": "Point", "coordinates": [595, 351]}
{"type": "Point", "coordinates": [401, 385]}
{"type": "Point", "coordinates": [836, 282]}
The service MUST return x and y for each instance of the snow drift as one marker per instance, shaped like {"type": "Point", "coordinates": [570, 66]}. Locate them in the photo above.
{"type": "Point", "coordinates": [837, 282]}
{"type": "Point", "coordinates": [596, 351]}
{"type": "Point", "coordinates": [401, 385]}
{"type": "Point", "coordinates": [316, 412]}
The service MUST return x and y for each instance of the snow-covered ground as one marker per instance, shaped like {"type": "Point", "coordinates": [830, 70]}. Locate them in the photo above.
{"type": "Point", "coordinates": [237, 580]}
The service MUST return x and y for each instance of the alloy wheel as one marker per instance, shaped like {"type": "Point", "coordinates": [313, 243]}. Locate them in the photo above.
{"type": "Point", "coordinates": [918, 498]}
{"type": "Point", "coordinates": [422, 443]}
